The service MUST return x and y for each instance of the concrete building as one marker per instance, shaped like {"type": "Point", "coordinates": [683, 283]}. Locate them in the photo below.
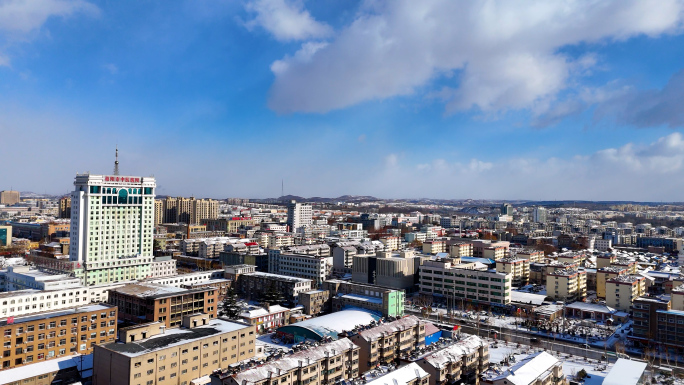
{"type": "Point", "coordinates": [64, 208]}
{"type": "Point", "coordinates": [518, 268]}
{"type": "Point", "coordinates": [163, 267]}
{"type": "Point", "coordinates": [63, 370]}
{"type": "Point", "coordinates": [315, 301]}
{"type": "Point", "coordinates": [540, 215]}
{"type": "Point", "coordinates": [384, 343]}
{"type": "Point", "coordinates": [147, 302]}
{"type": "Point", "coordinates": [253, 285]}
{"type": "Point", "coordinates": [644, 315]}
{"type": "Point", "coordinates": [9, 197]}
{"type": "Point", "coordinates": [411, 374]}
{"type": "Point", "coordinates": [604, 274]}
{"type": "Point", "coordinates": [384, 300]}
{"type": "Point", "coordinates": [315, 268]}
{"type": "Point", "coordinates": [267, 318]}
{"type": "Point", "coordinates": [112, 226]}
{"type": "Point", "coordinates": [434, 246]}
{"type": "Point", "coordinates": [460, 249]}
{"type": "Point", "coordinates": [298, 215]}
{"type": "Point", "coordinates": [567, 285]}
{"type": "Point", "coordinates": [49, 335]}
{"type": "Point", "coordinates": [507, 209]}
{"type": "Point", "coordinates": [27, 277]}
{"type": "Point", "coordinates": [5, 235]}
{"type": "Point", "coordinates": [398, 271]}
{"type": "Point", "coordinates": [328, 363]}
{"type": "Point", "coordinates": [343, 259]}
{"type": "Point", "coordinates": [24, 302]}
{"type": "Point", "coordinates": [465, 282]}
{"type": "Point", "coordinates": [229, 225]}
{"type": "Point", "coordinates": [391, 242]}
{"type": "Point", "coordinates": [461, 362]}
{"type": "Point", "coordinates": [622, 290]}
{"type": "Point", "coordinates": [190, 211]}
{"type": "Point", "coordinates": [149, 355]}
{"type": "Point", "coordinates": [536, 369]}
{"type": "Point", "coordinates": [37, 231]}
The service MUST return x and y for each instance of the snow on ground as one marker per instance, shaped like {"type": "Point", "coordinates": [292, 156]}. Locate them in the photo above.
{"type": "Point", "coordinates": [571, 364]}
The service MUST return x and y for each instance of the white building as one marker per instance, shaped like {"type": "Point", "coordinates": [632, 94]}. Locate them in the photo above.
{"type": "Point", "coordinates": [603, 244]}
{"type": "Point", "coordinates": [112, 224]}
{"type": "Point", "coordinates": [298, 215]}
{"type": "Point", "coordinates": [411, 374]}
{"type": "Point", "coordinates": [163, 267]}
{"type": "Point", "coordinates": [26, 277]}
{"type": "Point", "coordinates": [315, 268]}
{"type": "Point", "coordinates": [23, 302]}
{"type": "Point", "coordinates": [539, 215]}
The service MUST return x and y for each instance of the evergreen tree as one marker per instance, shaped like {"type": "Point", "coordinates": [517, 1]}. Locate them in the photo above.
{"type": "Point", "coordinates": [229, 307]}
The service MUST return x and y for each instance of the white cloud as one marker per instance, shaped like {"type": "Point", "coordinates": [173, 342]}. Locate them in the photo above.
{"type": "Point", "coordinates": [505, 53]}
{"type": "Point", "coordinates": [286, 20]}
{"type": "Point", "coordinates": [112, 68]}
{"type": "Point", "coordinates": [20, 19]}
{"type": "Point", "coordinates": [647, 172]}
{"type": "Point", "coordinates": [24, 16]}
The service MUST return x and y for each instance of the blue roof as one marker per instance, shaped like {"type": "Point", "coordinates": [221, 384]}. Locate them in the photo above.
{"type": "Point", "coordinates": [486, 261]}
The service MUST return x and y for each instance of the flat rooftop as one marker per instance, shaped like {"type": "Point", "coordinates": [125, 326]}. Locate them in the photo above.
{"type": "Point", "coordinates": [174, 337]}
{"type": "Point", "coordinates": [276, 276]}
{"type": "Point", "coordinates": [146, 290]}
{"type": "Point", "coordinates": [58, 313]}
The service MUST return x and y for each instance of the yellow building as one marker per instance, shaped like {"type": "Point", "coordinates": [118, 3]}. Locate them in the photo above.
{"type": "Point", "coordinates": [434, 246]}
{"type": "Point", "coordinates": [622, 290]}
{"type": "Point", "coordinates": [604, 274]}
{"type": "Point", "coordinates": [460, 249]}
{"type": "Point", "coordinates": [567, 285]}
{"type": "Point", "coordinates": [149, 354]}
{"type": "Point", "coordinates": [494, 252]}
{"type": "Point", "coordinates": [531, 255]}
{"type": "Point", "coordinates": [518, 268]}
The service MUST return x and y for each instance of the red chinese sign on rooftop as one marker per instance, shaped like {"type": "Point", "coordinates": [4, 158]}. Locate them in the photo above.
{"type": "Point", "coordinates": [121, 179]}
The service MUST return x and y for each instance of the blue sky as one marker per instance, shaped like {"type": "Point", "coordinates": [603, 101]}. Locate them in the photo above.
{"type": "Point", "coordinates": [443, 99]}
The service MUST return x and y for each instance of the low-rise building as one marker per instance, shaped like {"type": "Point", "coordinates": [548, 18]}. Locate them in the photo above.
{"type": "Point", "coordinates": [63, 370]}
{"type": "Point", "coordinates": [48, 335]}
{"type": "Point", "coordinates": [471, 282]}
{"type": "Point", "coordinates": [267, 317]}
{"type": "Point", "coordinates": [518, 268]}
{"type": "Point", "coordinates": [23, 302]}
{"type": "Point", "coordinates": [163, 267]}
{"type": "Point", "coordinates": [315, 301]}
{"type": "Point", "coordinates": [384, 343]}
{"type": "Point", "coordinates": [27, 277]}
{"type": "Point", "coordinates": [567, 285]}
{"type": "Point", "coordinates": [644, 315]}
{"type": "Point", "coordinates": [328, 363]}
{"type": "Point", "coordinates": [147, 302]}
{"type": "Point", "coordinates": [459, 249]}
{"type": "Point", "coordinates": [461, 362]}
{"type": "Point", "coordinates": [604, 274]}
{"type": "Point", "coordinates": [411, 374]}
{"type": "Point", "coordinates": [384, 300]}
{"type": "Point", "coordinates": [434, 246]}
{"type": "Point", "coordinates": [622, 290]}
{"type": "Point", "coordinates": [254, 285]}
{"type": "Point", "coordinates": [536, 369]}
{"type": "Point", "coordinates": [148, 354]}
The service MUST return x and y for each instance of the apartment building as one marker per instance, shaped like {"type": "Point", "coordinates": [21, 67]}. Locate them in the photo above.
{"type": "Point", "coordinates": [622, 290]}
{"type": "Point", "coordinates": [23, 302]}
{"type": "Point", "coordinates": [391, 242]}
{"type": "Point", "coordinates": [605, 260]}
{"type": "Point", "coordinates": [48, 335]}
{"type": "Point", "coordinates": [411, 374]}
{"type": "Point", "coordinates": [471, 282]}
{"type": "Point", "coordinates": [604, 274]}
{"type": "Point", "coordinates": [539, 368]}
{"type": "Point", "coordinates": [187, 210]}
{"type": "Point", "coordinates": [27, 277]}
{"type": "Point", "coordinates": [149, 302]}
{"type": "Point", "coordinates": [480, 245]}
{"type": "Point", "coordinates": [315, 301]}
{"type": "Point", "coordinates": [518, 268]}
{"type": "Point", "coordinates": [188, 278]}
{"type": "Point", "coordinates": [229, 225]}
{"type": "Point", "coordinates": [298, 215]}
{"type": "Point", "coordinates": [644, 315]}
{"type": "Point", "coordinates": [566, 285]}
{"type": "Point", "coordinates": [148, 354]}
{"type": "Point", "coordinates": [434, 246]}
{"type": "Point", "coordinates": [343, 257]}
{"type": "Point", "coordinates": [310, 267]}
{"type": "Point", "coordinates": [459, 249]}
{"type": "Point", "coordinates": [398, 270]}
{"type": "Point", "coordinates": [64, 208]}
{"type": "Point", "coordinates": [531, 255]}
{"type": "Point", "coordinates": [254, 284]}
{"type": "Point", "coordinates": [9, 197]}
{"type": "Point", "coordinates": [461, 362]}
{"type": "Point", "coordinates": [385, 300]}
{"type": "Point", "coordinates": [494, 252]}
{"type": "Point", "coordinates": [384, 343]}
{"type": "Point", "coordinates": [163, 267]}
{"type": "Point", "coordinates": [328, 363]}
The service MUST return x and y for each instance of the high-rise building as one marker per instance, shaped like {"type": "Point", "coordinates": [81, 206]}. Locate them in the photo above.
{"type": "Point", "coordinates": [539, 215]}
{"type": "Point", "coordinates": [507, 209]}
{"type": "Point", "coordinates": [298, 215]}
{"type": "Point", "coordinates": [9, 197]}
{"type": "Point", "coordinates": [65, 208]}
{"type": "Point", "coordinates": [112, 226]}
{"type": "Point", "coordinates": [185, 210]}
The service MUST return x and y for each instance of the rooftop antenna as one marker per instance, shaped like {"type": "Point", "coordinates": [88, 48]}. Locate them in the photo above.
{"type": "Point", "coordinates": [116, 162]}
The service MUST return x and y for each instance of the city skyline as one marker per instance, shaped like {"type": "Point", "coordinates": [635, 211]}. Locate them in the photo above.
{"type": "Point", "coordinates": [559, 101]}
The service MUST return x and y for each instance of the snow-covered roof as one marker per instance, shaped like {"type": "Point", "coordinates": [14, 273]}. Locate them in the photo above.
{"type": "Point", "coordinates": [390, 328]}
{"type": "Point", "coordinates": [44, 367]}
{"type": "Point", "coordinates": [529, 369]}
{"type": "Point", "coordinates": [402, 376]}
{"type": "Point", "coordinates": [454, 353]}
{"type": "Point", "coordinates": [625, 372]}
{"type": "Point", "coordinates": [260, 311]}
{"type": "Point", "coordinates": [579, 305]}
{"type": "Point", "coordinates": [335, 323]}
{"type": "Point", "coordinates": [363, 298]}
{"type": "Point", "coordinates": [525, 297]}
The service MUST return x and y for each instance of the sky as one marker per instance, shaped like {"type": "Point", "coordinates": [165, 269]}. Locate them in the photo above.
{"type": "Point", "coordinates": [539, 100]}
